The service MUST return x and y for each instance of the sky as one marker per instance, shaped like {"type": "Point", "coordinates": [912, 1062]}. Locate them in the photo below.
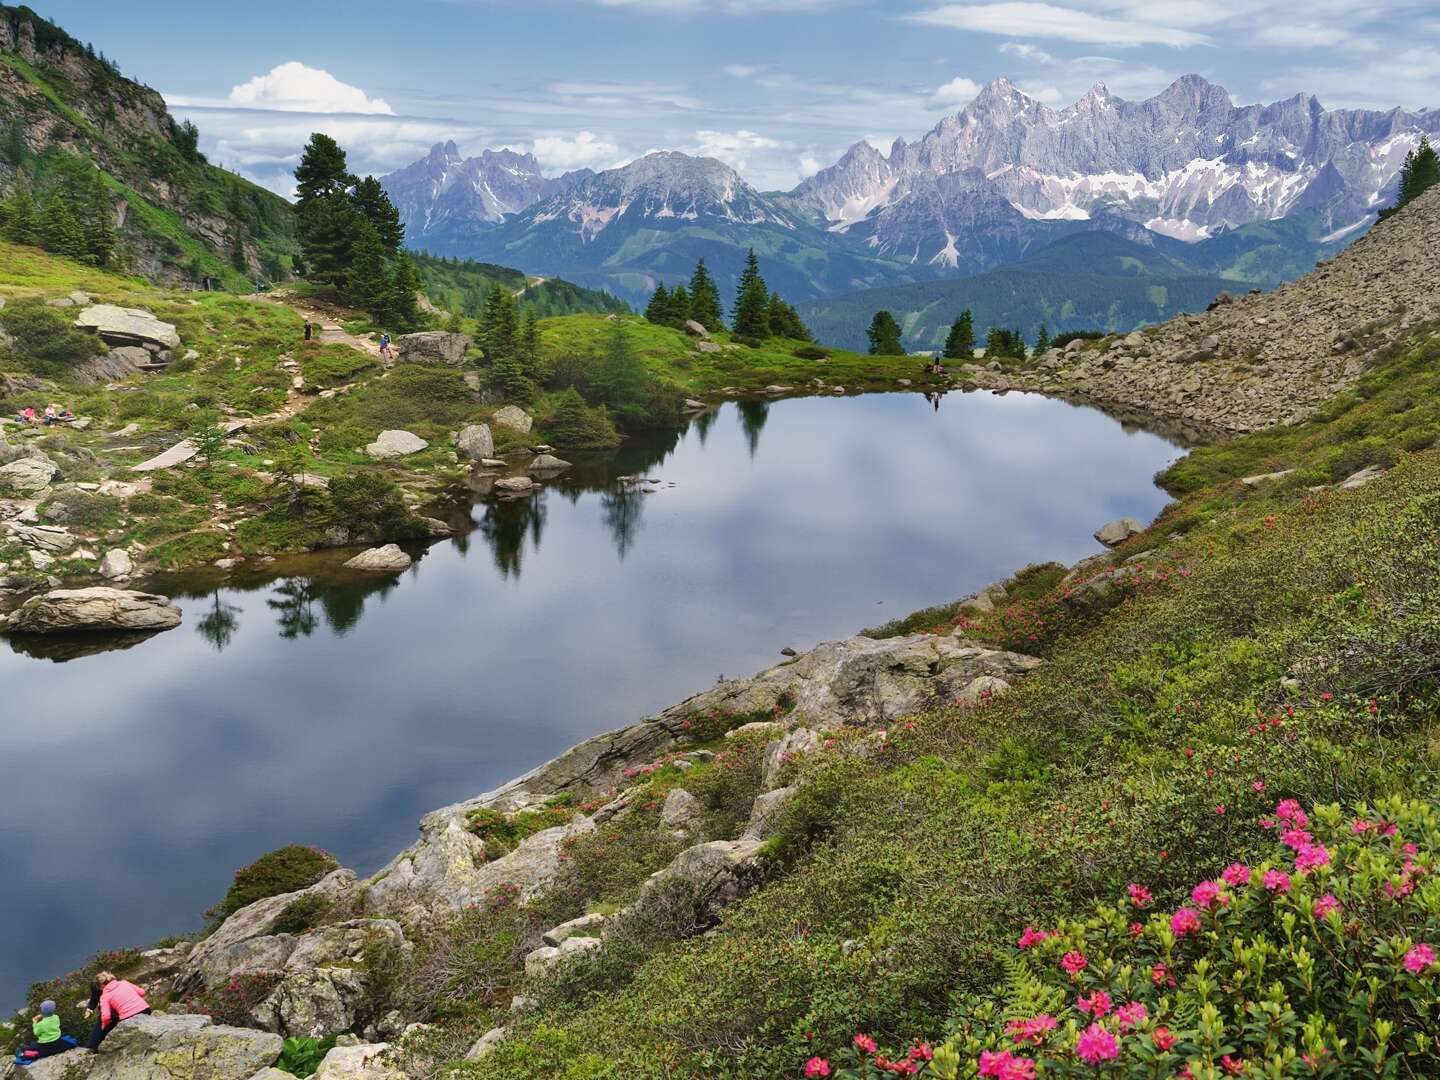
{"type": "Point", "coordinates": [776, 88]}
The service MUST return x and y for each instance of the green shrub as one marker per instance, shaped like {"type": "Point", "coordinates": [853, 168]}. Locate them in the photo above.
{"type": "Point", "coordinates": [811, 352]}
{"type": "Point", "coordinates": [301, 914]}
{"type": "Point", "coordinates": [46, 340]}
{"type": "Point", "coordinates": [368, 503]}
{"type": "Point", "coordinates": [284, 870]}
{"type": "Point", "coordinates": [572, 425]}
{"type": "Point", "coordinates": [302, 1056]}
{"type": "Point", "coordinates": [503, 832]}
{"type": "Point", "coordinates": [234, 1003]}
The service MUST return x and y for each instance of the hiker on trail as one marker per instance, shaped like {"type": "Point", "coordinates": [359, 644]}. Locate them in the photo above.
{"type": "Point", "coordinates": [385, 346]}
{"type": "Point", "coordinates": [48, 1039]}
{"type": "Point", "coordinates": [308, 329]}
{"type": "Point", "coordinates": [118, 1000]}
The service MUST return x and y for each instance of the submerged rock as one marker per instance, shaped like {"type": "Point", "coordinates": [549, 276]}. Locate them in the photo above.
{"type": "Point", "coordinates": [381, 560]}
{"type": "Point", "coordinates": [548, 463]}
{"type": "Point", "coordinates": [97, 609]}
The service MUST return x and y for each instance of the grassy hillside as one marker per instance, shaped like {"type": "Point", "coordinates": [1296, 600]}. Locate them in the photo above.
{"type": "Point", "coordinates": [183, 218]}
{"type": "Point", "coordinates": [461, 285]}
{"type": "Point", "coordinates": [903, 878]}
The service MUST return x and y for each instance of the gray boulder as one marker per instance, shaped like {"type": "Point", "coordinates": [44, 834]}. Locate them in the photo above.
{"type": "Point", "coordinates": [115, 365]}
{"type": "Point", "coordinates": [395, 444]}
{"type": "Point", "coordinates": [432, 347]}
{"type": "Point", "coordinates": [485, 1044]}
{"type": "Point", "coordinates": [790, 747]}
{"type": "Point", "coordinates": [380, 560]}
{"type": "Point", "coordinates": [1114, 533]}
{"type": "Point", "coordinates": [366, 1061]}
{"type": "Point", "coordinates": [183, 1047]}
{"type": "Point", "coordinates": [313, 1003]}
{"type": "Point", "coordinates": [680, 811]}
{"type": "Point", "coordinates": [127, 326]}
{"type": "Point", "coordinates": [95, 610]}
{"type": "Point", "coordinates": [512, 416]}
{"type": "Point", "coordinates": [474, 442]}
{"type": "Point", "coordinates": [28, 475]}
{"type": "Point", "coordinates": [548, 463]}
{"type": "Point", "coordinates": [710, 876]}
{"type": "Point", "coordinates": [581, 927]}
{"type": "Point", "coordinates": [695, 329]}
{"type": "Point", "coordinates": [514, 485]}
{"type": "Point", "coordinates": [765, 812]}
{"type": "Point", "coordinates": [116, 565]}
{"type": "Point", "coordinates": [51, 539]}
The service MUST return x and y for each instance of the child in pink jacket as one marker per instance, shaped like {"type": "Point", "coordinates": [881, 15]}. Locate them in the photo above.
{"type": "Point", "coordinates": [119, 1000]}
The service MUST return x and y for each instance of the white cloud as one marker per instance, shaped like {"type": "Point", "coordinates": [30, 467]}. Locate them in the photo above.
{"type": "Point", "coordinates": [583, 149]}
{"type": "Point", "coordinates": [728, 7]}
{"type": "Point", "coordinates": [293, 87]}
{"type": "Point", "coordinates": [957, 91]}
{"type": "Point", "coordinates": [1026, 51]}
{"type": "Point", "coordinates": [735, 148]}
{"type": "Point", "coordinates": [741, 71]}
{"type": "Point", "coordinates": [1028, 18]}
{"type": "Point", "coordinates": [809, 166]}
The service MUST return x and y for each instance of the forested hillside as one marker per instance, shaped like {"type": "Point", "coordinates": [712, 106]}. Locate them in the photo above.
{"type": "Point", "coordinates": [462, 285]}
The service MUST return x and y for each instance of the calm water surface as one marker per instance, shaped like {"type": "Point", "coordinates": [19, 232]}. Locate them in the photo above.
{"type": "Point", "coordinates": [317, 709]}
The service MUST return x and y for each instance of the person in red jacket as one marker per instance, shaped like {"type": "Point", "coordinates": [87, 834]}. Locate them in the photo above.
{"type": "Point", "coordinates": [118, 1000]}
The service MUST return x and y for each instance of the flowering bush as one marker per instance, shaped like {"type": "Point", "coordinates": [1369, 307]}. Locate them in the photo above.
{"type": "Point", "coordinates": [1320, 962]}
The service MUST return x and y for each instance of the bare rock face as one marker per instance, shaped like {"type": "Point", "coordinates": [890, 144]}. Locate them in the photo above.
{"type": "Point", "coordinates": [113, 366]}
{"type": "Point", "coordinates": [28, 475]}
{"type": "Point", "coordinates": [127, 326]}
{"type": "Point", "coordinates": [381, 560]}
{"type": "Point", "coordinates": [432, 347]}
{"type": "Point", "coordinates": [368, 1061]}
{"type": "Point", "coordinates": [395, 444]}
{"type": "Point", "coordinates": [94, 610]}
{"type": "Point", "coordinates": [708, 876]}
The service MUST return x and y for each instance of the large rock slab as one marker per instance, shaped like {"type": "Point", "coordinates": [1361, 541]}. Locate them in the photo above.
{"type": "Point", "coordinates": [94, 610]}
{"type": "Point", "coordinates": [368, 1061]}
{"type": "Point", "coordinates": [389, 559]}
{"type": "Point", "coordinates": [432, 347]}
{"type": "Point", "coordinates": [114, 366]}
{"type": "Point", "coordinates": [395, 444]}
{"type": "Point", "coordinates": [708, 876]}
{"type": "Point", "coordinates": [474, 442]}
{"type": "Point", "coordinates": [183, 1047]}
{"type": "Point", "coordinates": [1114, 533]}
{"type": "Point", "coordinates": [28, 475]}
{"type": "Point", "coordinates": [127, 326]}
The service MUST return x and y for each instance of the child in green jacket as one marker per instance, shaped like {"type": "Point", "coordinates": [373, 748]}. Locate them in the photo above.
{"type": "Point", "coordinates": [46, 1027]}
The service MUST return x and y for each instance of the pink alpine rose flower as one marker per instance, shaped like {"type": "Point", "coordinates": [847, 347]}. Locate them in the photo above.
{"type": "Point", "coordinates": [1185, 921]}
{"type": "Point", "coordinates": [1236, 875]}
{"type": "Point", "coordinates": [1205, 894]}
{"type": "Point", "coordinates": [1310, 857]}
{"type": "Point", "coordinates": [817, 1066]}
{"type": "Point", "coordinates": [1096, 1004]}
{"type": "Point", "coordinates": [864, 1043]}
{"type": "Point", "coordinates": [1032, 937]}
{"type": "Point", "coordinates": [1131, 1015]}
{"type": "Point", "coordinates": [1096, 1045]}
{"type": "Point", "coordinates": [1277, 881]}
{"type": "Point", "coordinates": [1140, 895]}
{"type": "Point", "coordinates": [1073, 963]}
{"type": "Point", "coordinates": [1325, 905]}
{"type": "Point", "coordinates": [1420, 958]}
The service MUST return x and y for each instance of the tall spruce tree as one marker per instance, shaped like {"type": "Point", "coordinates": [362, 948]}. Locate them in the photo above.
{"type": "Point", "coordinates": [498, 324]}
{"type": "Point", "coordinates": [529, 346]}
{"type": "Point", "coordinates": [960, 345]}
{"type": "Point", "coordinates": [376, 208]}
{"type": "Point", "coordinates": [22, 223]}
{"type": "Point", "coordinates": [752, 301]}
{"type": "Point", "coordinates": [322, 170]}
{"type": "Point", "coordinates": [59, 231]}
{"type": "Point", "coordinates": [679, 307]}
{"type": "Point", "coordinates": [368, 280]}
{"type": "Point", "coordinates": [885, 335]}
{"type": "Point", "coordinates": [705, 299]}
{"type": "Point", "coordinates": [327, 228]}
{"type": "Point", "coordinates": [620, 381]}
{"type": "Point", "coordinates": [784, 321]}
{"type": "Point", "coordinates": [658, 310]}
{"type": "Point", "coordinates": [1042, 339]}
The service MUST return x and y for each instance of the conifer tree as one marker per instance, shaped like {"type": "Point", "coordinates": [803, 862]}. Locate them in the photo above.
{"type": "Point", "coordinates": [59, 231]}
{"type": "Point", "coordinates": [679, 307]}
{"type": "Point", "coordinates": [960, 345]}
{"type": "Point", "coordinates": [1419, 173]}
{"type": "Point", "coordinates": [22, 224]}
{"type": "Point", "coordinates": [620, 380]}
{"type": "Point", "coordinates": [367, 281]}
{"type": "Point", "coordinates": [784, 321]}
{"type": "Point", "coordinates": [322, 170]}
{"type": "Point", "coordinates": [752, 300]}
{"type": "Point", "coordinates": [529, 347]}
{"type": "Point", "coordinates": [498, 324]}
{"type": "Point", "coordinates": [403, 307]}
{"type": "Point", "coordinates": [507, 375]}
{"type": "Point", "coordinates": [885, 335]}
{"type": "Point", "coordinates": [705, 299]}
{"type": "Point", "coordinates": [1042, 339]}
{"type": "Point", "coordinates": [98, 225]}
{"type": "Point", "coordinates": [327, 228]}
{"type": "Point", "coordinates": [376, 208]}
{"type": "Point", "coordinates": [658, 310]}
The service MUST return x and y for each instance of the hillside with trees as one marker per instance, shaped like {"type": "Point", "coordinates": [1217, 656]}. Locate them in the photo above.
{"type": "Point", "coordinates": [463, 285]}
{"type": "Point", "coordinates": [82, 145]}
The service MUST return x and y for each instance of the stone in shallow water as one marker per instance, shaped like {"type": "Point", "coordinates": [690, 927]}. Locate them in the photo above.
{"type": "Point", "coordinates": [97, 609]}
{"type": "Point", "coordinates": [387, 559]}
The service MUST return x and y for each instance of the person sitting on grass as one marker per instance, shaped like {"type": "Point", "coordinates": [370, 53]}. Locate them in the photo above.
{"type": "Point", "coordinates": [119, 1001]}
{"type": "Point", "coordinates": [56, 415]}
{"type": "Point", "coordinates": [28, 415]}
{"type": "Point", "coordinates": [48, 1039]}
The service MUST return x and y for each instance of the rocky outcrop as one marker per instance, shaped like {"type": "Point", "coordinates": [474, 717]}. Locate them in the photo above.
{"type": "Point", "coordinates": [28, 475]}
{"type": "Point", "coordinates": [94, 610]}
{"type": "Point", "coordinates": [395, 444]}
{"type": "Point", "coordinates": [127, 326]}
{"type": "Point", "coordinates": [540, 962]}
{"type": "Point", "coordinates": [389, 559]}
{"type": "Point", "coordinates": [704, 879]}
{"type": "Point", "coordinates": [365, 1061]}
{"type": "Point", "coordinates": [432, 347]}
{"type": "Point", "coordinates": [116, 565]}
{"type": "Point", "coordinates": [114, 366]}
{"type": "Point", "coordinates": [1114, 533]}
{"type": "Point", "coordinates": [446, 869]}
{"type": "Point", "coordinates": [166, 1047]}
{"type": "Point", "coordinates": [861, 681]}
{"type": "Point", "coordinates": [474, 442]}
{"type": "Point", "coordinates": [1265, 358]}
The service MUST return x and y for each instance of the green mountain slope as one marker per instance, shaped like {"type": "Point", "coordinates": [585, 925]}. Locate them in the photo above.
{"type": "Point", "coordinates": [178, 218]}
{"type": "Point", "coordinates": [460, 285]}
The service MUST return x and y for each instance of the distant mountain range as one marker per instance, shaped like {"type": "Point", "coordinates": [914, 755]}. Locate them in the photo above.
{"type": "Point", "coordinates": [988, 186]}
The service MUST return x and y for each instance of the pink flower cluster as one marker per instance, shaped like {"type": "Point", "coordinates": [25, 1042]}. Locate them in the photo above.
{"type": "Point", "coordinates": [1096, 1004]}
{"type": "Point", "coordinates": [1032, 937]}
{"type": "Point", "coordinates": [1096, 1045]}
{"type": "Point", "coordinates": [1003, 1065]}
{"type": "Point", "coordinates": [1419, 958]}
{"type": "Point", "coordinates": [1033, 1030]}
